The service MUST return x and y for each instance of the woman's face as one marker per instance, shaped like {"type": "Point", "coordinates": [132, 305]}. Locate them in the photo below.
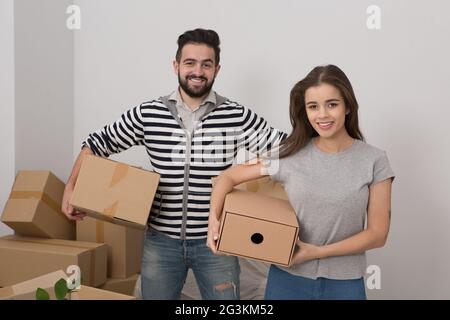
{"type": "Point", "coordinates": [326, 110]}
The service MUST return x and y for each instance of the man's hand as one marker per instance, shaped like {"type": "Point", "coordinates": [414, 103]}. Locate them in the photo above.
{"type": "Point", "coordinates": [67, 209]}
{"type": "Point", "coordinates": [213, 233]}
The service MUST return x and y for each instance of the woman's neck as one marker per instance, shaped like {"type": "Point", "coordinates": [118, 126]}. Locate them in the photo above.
{"type": "Point", "coordinates": [334, 144]}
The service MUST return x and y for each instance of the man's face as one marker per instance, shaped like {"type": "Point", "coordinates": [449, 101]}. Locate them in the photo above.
{"type": "Point", "coordinates": [196, 70]}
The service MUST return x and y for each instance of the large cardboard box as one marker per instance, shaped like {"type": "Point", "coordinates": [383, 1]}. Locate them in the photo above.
{"type": "Point", "coordinates": [259, 224]}
{"type": "Point", "coordinates": [24, 258]}
{"type": "Point", "coordinates": [114, 191]}
{"type": "Point", "coordinates": [89, 293]}
{"type": "Point", "coordinates": [124, 245]}
{"type": "Point", "coordinates": [27, 290]}
{"type": "Point", "coordinates": [123, 286]}
{"type": "Point", "coordinates": [34, 206]}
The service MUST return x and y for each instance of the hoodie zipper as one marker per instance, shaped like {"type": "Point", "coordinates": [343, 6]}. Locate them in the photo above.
{"type": "Point", "coordinates": [187, 165]}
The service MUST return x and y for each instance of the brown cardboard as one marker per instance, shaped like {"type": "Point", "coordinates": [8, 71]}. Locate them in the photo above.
{"type": "Point", "coordinates": [264, 186]}
{"type": "Point", "coordinates": [34, 206]}
{"type": "Point", "coordinates": [115, 192]}
{"type": "Point", "coordinates": [124, 245]}
{"type": "Point", "coordinates": [25, 258]}
{"type": "Point", "coordinates": [27, 290]}
{"type": "Point", "coordinates": [261, 226]}
{"type": "Point", "coordinates": [89, 293]}
{"type": "Point", "coordinates": [123, 286]}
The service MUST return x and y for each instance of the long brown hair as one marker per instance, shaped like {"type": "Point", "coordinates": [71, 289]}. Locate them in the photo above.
{"type": "Point", "coordinates": [302, 131]}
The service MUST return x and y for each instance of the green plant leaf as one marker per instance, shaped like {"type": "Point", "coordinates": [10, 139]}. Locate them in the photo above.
{"type": "Point", "coordinates": [61, 289]}
{"type": "Point", "coordinates": [41, 294]}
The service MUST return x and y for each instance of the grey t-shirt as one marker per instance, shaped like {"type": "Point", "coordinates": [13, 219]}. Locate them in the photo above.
{"type": "Point", "coordinates": [330, 193]}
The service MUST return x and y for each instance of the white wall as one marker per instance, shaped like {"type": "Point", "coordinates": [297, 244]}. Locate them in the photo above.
{"type": "Point", "coordinates": [6, 103]}
{"type": "Point", "coordinates": [123, 55]}
{"type": "Point", "coordinates": [44, 86]}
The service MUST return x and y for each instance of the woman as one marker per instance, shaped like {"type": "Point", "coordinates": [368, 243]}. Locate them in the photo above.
{"type": "Point", "coordinates": [334, 180]}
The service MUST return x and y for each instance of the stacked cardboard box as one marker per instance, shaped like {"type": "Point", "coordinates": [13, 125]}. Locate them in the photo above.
{"type": "Point", "coordinates": [106, 190]}
{"type": "Point", "coordinates": [24, 258]}
{"type": "Point", "coordinates": [41, 242]}
{"type": "Point", "coordinates": [34, 207]}
{"type": "Point", "coordinates": [124, 286]}
{"type": "Point", "coordinates": [124, 245]}
{"type": "Point", "coordinates": [27, 290]}
{"type": "Point", "coordinates": [258, 222]}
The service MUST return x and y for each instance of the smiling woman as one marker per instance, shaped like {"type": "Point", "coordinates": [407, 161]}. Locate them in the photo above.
{"type": "Point", "coordinates": [323, 105]}
{"type": "Point", "coordinates": [334, 180]}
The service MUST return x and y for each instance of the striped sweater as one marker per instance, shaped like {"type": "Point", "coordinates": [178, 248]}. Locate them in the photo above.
{"type": "Point", "coordinates": [186, 161]}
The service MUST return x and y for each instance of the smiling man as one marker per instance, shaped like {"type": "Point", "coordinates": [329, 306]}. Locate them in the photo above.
{"type": "Point", "coordinates": [190, 136]}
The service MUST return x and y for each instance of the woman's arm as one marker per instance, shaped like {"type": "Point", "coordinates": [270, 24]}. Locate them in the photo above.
{"type": "Point", "coordinates": [223, 184]}
{"type": "Point", "coordinates": [374, 236]}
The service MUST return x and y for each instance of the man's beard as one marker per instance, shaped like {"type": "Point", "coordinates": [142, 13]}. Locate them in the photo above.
{"type": "Point", "coordinates": [198, 93]}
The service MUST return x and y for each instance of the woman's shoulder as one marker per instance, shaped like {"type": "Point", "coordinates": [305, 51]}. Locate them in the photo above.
{"type": "Point", "coordinates": [370, 150]}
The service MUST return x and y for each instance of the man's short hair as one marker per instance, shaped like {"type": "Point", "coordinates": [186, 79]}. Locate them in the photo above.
{"type": "Point", "coordinates": [200, 36]}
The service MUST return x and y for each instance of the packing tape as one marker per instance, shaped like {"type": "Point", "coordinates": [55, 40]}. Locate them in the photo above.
{"type": "Point", "coordinates": [253, 185]}
{"type": "Point", "coordinates": [119, 173]}
{"type": "Point", "coordinates": [111, 210]}
{"type": "Point", "coordinates": [39, 196]}
{"type": "Point", "coordinates": [99, 231]}
{"type": "Point", "coordinates": [92, 253]}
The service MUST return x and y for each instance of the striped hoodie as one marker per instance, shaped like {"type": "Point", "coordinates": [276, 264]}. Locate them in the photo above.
{"type": "Point", "coordinates": [186, 161]}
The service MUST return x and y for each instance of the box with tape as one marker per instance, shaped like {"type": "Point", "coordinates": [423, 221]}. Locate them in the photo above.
{"type": "Point", "coordinates": [114, 191]}
{"type": "Point", "coordinates": [34, 207]}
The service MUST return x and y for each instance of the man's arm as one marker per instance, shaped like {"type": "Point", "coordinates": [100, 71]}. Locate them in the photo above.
{"type": "Point", "coordinates": [67, 209]}
{"type": "Point", "coordinates": [121, 135]}
{"type": "Point", "coordinates": [257, 136]}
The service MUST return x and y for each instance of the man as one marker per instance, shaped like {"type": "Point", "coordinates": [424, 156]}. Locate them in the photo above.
{"type": "Point", "coordinates": [190, 136]}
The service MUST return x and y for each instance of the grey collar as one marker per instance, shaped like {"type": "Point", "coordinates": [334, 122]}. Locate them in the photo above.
{"type": "Point", "coordinates": [171, 105]}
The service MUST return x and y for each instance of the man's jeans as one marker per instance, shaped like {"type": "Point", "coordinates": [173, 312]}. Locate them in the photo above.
{"type": "Point", "coordinates": [165, 263]}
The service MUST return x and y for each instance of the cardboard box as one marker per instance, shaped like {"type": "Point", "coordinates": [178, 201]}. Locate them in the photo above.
{"type": "Point", "coordinates": [115, 192]}
{"type": "Point", "coordinates": [123, 286]}
{"type": "Point", "coordinates": [124, 245]}
{"type": "Point", "coordinates": [89, 293]}
{"type": "Point", "coordinates": [27, 290]}
{"type": "Point", "coordinates": [259, 224]}
{"type": "Point", "coordinates": [265, 186]}
{"type": "Point", "coordinates": [34, 207]}
{"type": "Point", "coordinates": [25, 258]}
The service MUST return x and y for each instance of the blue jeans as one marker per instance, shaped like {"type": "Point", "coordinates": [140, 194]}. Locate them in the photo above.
{"type": "Point", "coordinates": [282, 285]}
{"type": "Point", "coordinates": [165, 263]}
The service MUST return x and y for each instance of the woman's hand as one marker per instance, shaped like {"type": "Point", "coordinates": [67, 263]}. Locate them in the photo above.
{"type": "Point", "coordinates": [222, 185]}
{"type": "Point", "coordinates": [306, 252]}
